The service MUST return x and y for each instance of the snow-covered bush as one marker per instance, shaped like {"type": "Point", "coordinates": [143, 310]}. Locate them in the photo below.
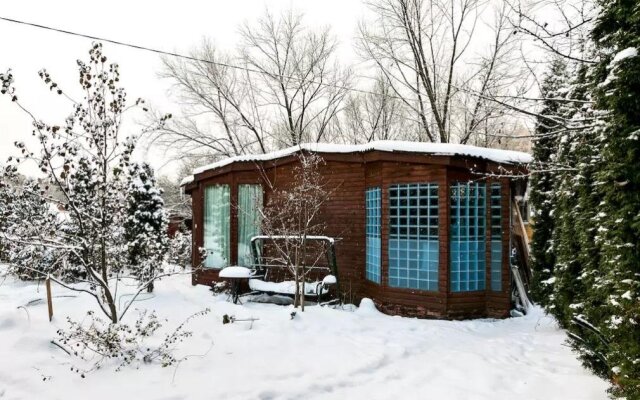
{"type": "Point", "coordinates": [180, 249]}
{"type": "Point", "coordinates": [96, 341]}
{"type": "Point", "coordinates": [29, 259]}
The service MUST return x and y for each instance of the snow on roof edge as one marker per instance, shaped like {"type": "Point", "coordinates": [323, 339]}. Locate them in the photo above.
{"type": "Point", "coordinates": [497, 155]}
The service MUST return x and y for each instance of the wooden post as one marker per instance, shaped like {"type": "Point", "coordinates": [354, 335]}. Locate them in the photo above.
{"type": "Point", "coordinates": [49, 302]}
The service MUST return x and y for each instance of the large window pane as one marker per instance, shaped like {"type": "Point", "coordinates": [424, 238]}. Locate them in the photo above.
{"type": "Point", "coordinates": [467, 242]}
{"type": "Point", "coordinates": [413, 236]}
{"type": "Point", "coordinates": [216, 225]}
{"type": "Point", "coordinates": [249, 205]}
{"type": "Point", "coordinates": [373, 203]}
{"type": "Point", "coordinates": [496, 238]}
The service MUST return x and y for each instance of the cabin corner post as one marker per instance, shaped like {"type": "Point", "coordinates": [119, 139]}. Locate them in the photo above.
{"type": "Point", "coordinates": [197, 204]}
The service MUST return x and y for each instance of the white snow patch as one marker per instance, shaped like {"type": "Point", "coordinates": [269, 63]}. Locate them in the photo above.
{"type": "Point", "coordinates": [549, 281]}
{"type": "Point", "coordinates": [329, 280]}
{"type": "Point", "coordinates": [323, 353]}
{"type": "Point", "coordinates": [615, 320]}
{"type": "Point", "coordinates": [624, 54]}
{"type": "Point", "coordinates": [286, 287]}
{"type": "Point", "coordinates": [450, 149]}
{"type": "Point", "coordinates": [235, 272]}
{"type": "Point", "coordinates": [367, 307]}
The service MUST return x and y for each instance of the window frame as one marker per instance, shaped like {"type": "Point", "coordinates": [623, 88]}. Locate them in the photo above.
{"type": "Point", "coordinates": [496, 232]}
{"type": "Point", "coordinates": [468, 241]}
{"type": "Point", "coordinates": [373, 234]}
{"type": "Point", "coordinates": [226, 237]}
{"type": "Point", "coordinates": [240, 219]}
{"type": "Point", "coordinates": [413, 250]}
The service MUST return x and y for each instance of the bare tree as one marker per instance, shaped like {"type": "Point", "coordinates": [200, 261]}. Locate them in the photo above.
{"type": "Point", "coordinates": [375, 115]}
{"type": "Point", "coordinates": [290, 217]}
{"type": "Point", "coordinates": [424, 49]}
{"type": "Point", "coordinates": [282, 87]}
{"type": "Point", "coordinates": [221, 116]}
{"type": "Point", "coordinates": [557, 27]}
{"type": "Point", "coordinates": [174, 198]}
{"type": "Point", "coordinates": [299, 75]}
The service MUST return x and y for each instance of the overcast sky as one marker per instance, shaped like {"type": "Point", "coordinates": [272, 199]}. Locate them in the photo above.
{"type": "Point", "coordinates": [173, 26]}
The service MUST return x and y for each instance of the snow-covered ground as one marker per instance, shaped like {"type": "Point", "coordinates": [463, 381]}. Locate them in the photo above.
{"type": "Point", "coordinates": [322, 353]}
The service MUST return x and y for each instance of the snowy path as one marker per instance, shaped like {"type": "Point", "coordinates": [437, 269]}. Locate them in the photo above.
{"type": "Point", "coordinates": [321, 354]}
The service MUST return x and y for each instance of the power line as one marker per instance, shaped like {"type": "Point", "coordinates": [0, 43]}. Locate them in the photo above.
{"type": "Point", "coordinates": [191, 58]}
{"type": "Point", "coordinates": [236, 67]}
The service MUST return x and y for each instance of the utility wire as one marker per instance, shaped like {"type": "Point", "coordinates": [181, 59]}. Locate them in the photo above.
{"type": "Point", "coordinates": [191, 58]}
{"type": "Point", "coordinates": [220, 64]}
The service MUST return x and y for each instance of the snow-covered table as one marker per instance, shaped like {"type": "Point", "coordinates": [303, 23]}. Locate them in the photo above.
{"type": "Point", "coordinates": [235, 275]}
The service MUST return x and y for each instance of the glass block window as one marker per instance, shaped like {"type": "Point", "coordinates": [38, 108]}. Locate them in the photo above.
{"type": "Point", "coordinates": [468, 222]}
{"type": "Point", "coordinates": [496, 238]}
{"type": "Point", "coordinates": [373, 206]}
{"type": "Point", "coordinates": [413, 236]}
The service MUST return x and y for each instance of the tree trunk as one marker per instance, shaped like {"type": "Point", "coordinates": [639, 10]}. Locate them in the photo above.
{"type": "Point", "coordinates": [302, 292]}
{"type": "Point", "coordinates": [112, 306]}
{"type": "Point", "coordinates": [296, 296]}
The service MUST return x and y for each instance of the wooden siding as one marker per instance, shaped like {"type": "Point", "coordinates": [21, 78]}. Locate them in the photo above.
{"type": "Point", "coordinates": [348, 176]}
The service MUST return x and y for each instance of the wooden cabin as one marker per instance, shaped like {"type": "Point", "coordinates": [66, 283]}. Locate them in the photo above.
{"type": "Point", "coordinates": [423, 229]}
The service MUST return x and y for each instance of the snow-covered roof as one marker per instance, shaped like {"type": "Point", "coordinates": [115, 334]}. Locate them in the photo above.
{"type": "Point", "coordinates": [447, 149]}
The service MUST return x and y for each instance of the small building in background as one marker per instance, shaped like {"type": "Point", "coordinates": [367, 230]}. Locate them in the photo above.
{"type": "Point", "coordinates": [178, 222]}
{"type": "Point", "coordinates": [423, 229]}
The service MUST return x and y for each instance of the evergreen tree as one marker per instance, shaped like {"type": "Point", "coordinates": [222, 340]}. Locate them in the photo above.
{"type": "Point", "coordinates": [542, 198]}
{"type": "Point", "coordinates": [566, 288]}
{"type": "Point", "coordinates": [21, 203]}
{"type": "Point", "coordinates": [579, 252]}
{"type": "Point", "coordinates": [146, 224]}
{"type": "Point", "coordinates": [617, 94]}
{"type": "Point", "coordinates": [596, 227]}
{"type": "Point", "coordinates": [83, 189]}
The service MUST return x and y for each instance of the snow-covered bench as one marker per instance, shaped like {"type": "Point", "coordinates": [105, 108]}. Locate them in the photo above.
{"type": "Point", "coordinates": [313, 289]}
{"type": "Point", "coordinates": [258, 275]}
{"type": "Point", "coordinates": [237, 274]}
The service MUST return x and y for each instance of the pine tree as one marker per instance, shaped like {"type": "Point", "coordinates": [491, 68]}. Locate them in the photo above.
{"type": "Point", "coordinates": [543, 199]}
{"type": "Point", "coordinates": [146, 224]}
{"type": "Point", "coordinates": [83, 187]}
{"type": "Point", "coordinates": [23, 203]}
{"type": "Point", "coordinates": [617, 94]}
